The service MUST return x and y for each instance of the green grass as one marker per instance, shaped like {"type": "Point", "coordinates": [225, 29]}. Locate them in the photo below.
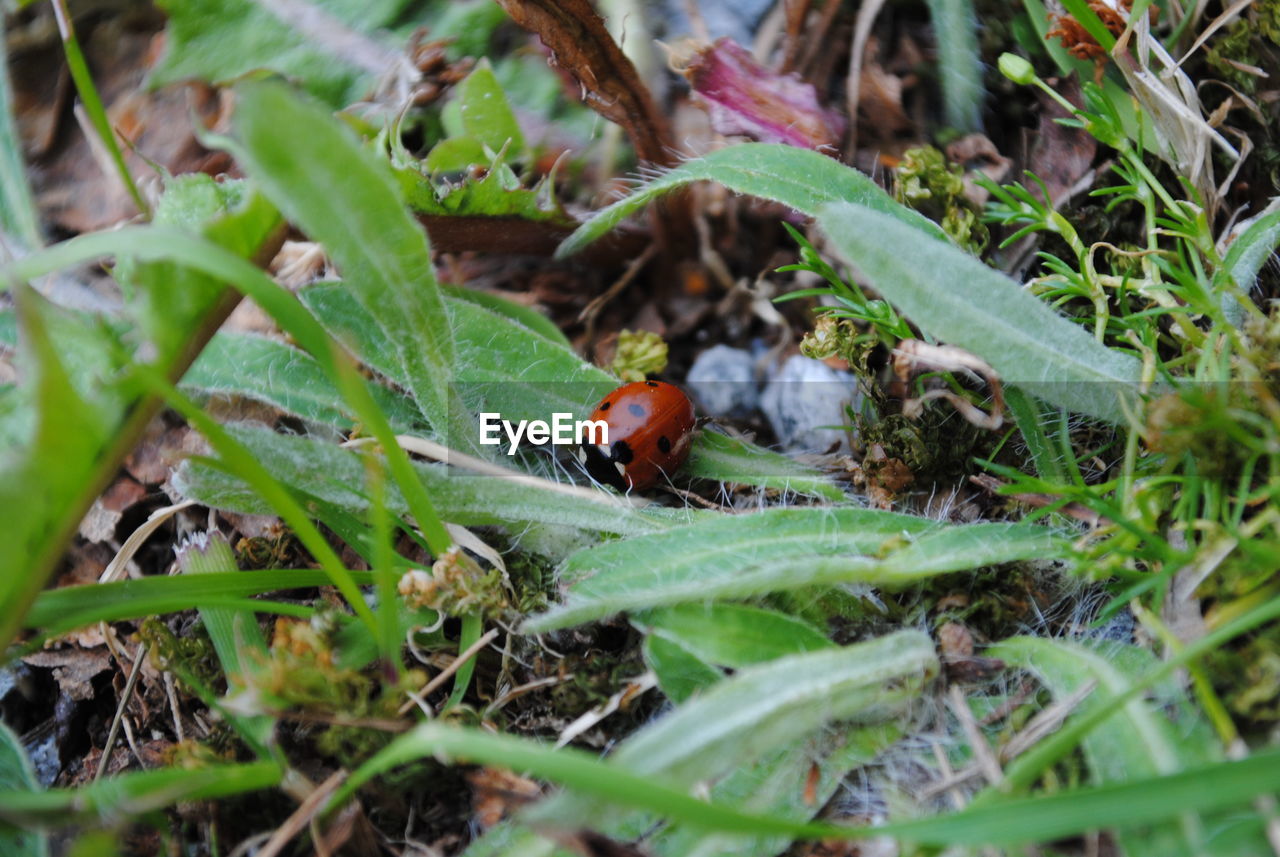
{"type": "Point", "coordinates": [793, 645]}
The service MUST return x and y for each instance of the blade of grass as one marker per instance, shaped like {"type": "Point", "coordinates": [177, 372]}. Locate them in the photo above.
{"type": "Point", "coordinates": [1038, 819]}
{"type": "Point", "coordinates": [342, 195]}
{"type": "Point", "coordinates": [93, 106]}
{"type": "Point", "coordinates": [122, 799]}
{"type": "Point", "coordinates": [166, 243]}
{"type": "Point", "coordinates": [16, 774]}
{"type": "Point", "coordinates": [60, 610]}
{"type": "Point", "coordinates": [472, 627]}
{"type": "Point", "coordinates": [233, 633]}
{"type": "Point", "coordinates": [18, 217]}
{"type": "Point", "coordinates": [240, 461]}
{"type": "Point", "coordinates": [1026, 413]}
{"type": "Point", "coordinates": [959, 62]}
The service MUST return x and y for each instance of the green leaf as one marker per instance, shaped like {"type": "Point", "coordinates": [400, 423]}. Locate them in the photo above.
{"type": "Point", "coordinates": [800, 178]}
{"type": "Point", "coordinates": [16, 775]}
{"type": "Point", "coordinates": [335, 475]}
{"type": "Point", "coordinates": [125, 798]}
{"type": "Point", "coordinates": [959, 62]}
{"type": "Point", "coordinates": [781, 549]}
{"type": "Point", "coordinates": [1139, 741]}
{"type": "Point", "coordinates": [485, 114]}
{"type": "Point", "coordinates": [731, 635]}
{"type": "Point", "coordinates": [342, 195]}
{"type": "Point", "coordinates": [219, 40]}
{"type": "Point", "coordinates": [528, 316]}
{"type": "Point", "coordinates": [680, 672]}
{"type": "Point", "coordinates": [269, 371]}
{"type": "Point", "coordinates": [502, 366]}
{"type": "Point", "coordinates": [455, 155]}
{"type": "Point", "coordinates": [70, 440]}
{"type": "Point", "coordinates": [1037, 819]}
{"type": "Point", "coordinates": [794, 783]}
{"type": "Point", "coordinates": [64, 609]}
{"type": "Point", "coordinates": [955, 298]}
{"type": "Point", "coordinates": [47, 483]}
{"type": "Point", "coordinates": [165, 290]}
{"type": "Point", "coordinates": [731, 724]}
{"type": "Point", "coordinates": [234, 631]}
{"type": "Point", "coordinates": [1248, 253]}
{"type": "Point", "coordinates": [522, 371]}
{"type": "Point", "coordinates": [725, 459]}
{"type": "Point", "coordinates": [19, 220]}
{"type": "Point", "coordinates": [1028, 415]}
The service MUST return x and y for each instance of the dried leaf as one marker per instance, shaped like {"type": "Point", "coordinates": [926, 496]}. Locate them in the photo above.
{"type": "Point", "coordinates": [743, 97]}
{"type": "Point", "coordinates": [581, 45]}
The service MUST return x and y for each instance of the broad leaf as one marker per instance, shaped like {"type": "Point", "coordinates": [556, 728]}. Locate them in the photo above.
{"type": "Point", "coordinates": [955, 298]}
{"type": "Point", "coordinates": [290, 379]}
{"type": "Point", "coordinates": [781, 549]}
{"type": "Point", "coordinates": [220, 40]}
{"type": "Point", "coordinates": [731, 635]}
{"type": "Point", "coordinates": [1139, 741]}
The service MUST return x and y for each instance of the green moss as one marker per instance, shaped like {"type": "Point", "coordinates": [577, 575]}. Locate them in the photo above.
{"type": "Point", "coordinates": [935, 188]}
{"type": "Point", "coordinates": [1235, 42]}
{"type": "Point", "coordinates": [640, 353]}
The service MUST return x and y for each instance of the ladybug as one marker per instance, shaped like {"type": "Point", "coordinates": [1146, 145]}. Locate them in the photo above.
{"type": "Point", "coordinates": [650, 431]}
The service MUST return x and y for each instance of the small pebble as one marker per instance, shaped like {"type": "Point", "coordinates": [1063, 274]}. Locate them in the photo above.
{"type": "Point", "coordinates": [1118, 628]}
{"type": "Point", "coordinates": [737, 19]}
{"type": "Point", "coordinates": [722, 382]}
{"type": "Point", "coordinates": [805, 396]}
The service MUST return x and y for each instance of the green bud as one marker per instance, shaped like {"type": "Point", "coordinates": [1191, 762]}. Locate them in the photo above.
{"type": "Point", "coordinates": [1017, 69]}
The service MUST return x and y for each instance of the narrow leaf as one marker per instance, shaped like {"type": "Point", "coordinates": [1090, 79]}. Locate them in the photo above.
{"type": "Point", "coordinates": [122, 799]}
{"type": "Point", "coordinates": [342, 195]}
{"type": "Point", "coordinates": [954, 297]}
{"type": "Point", "coordinates": [800, 178]}
{"type": "Point", "coordinates": [781, 549]}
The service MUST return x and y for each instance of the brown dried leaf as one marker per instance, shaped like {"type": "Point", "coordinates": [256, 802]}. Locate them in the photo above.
{"type": "Point", "coordinates": [73, 669]}
{"type": "Point", "coordinates": [581, 45]}
{"type": "Point", "coordinates": [497, 792]}
{"type": "Point", "coordinates": [1061, 155]}
{"type": "Point", "coordinates": [99, 523]}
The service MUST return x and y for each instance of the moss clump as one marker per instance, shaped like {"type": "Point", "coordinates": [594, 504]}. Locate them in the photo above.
{"type": "Point", "coordinates": [935, 188]}
{"type": "Point", "coordinates": [640, 353]}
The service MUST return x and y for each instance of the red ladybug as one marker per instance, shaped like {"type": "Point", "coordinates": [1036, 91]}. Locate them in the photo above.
{"type": "Point", "coordinates": [650, 431]}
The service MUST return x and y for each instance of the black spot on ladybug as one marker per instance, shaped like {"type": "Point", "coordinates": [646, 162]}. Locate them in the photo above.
{"type": "Point", "coordinates": [652, 383]}
{"type": "Point", "coordinates": [636, 410]}
{"type": "Point", "coordinates": [621, 452]}
{"type": "Point", "coordinates": [605, 406]}
{"type": "Point", "coordinates": [664, 444]}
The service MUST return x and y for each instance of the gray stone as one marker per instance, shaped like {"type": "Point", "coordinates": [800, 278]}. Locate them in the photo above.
{"type": "Point", "coordinates": [722, 382]}
{"type": "Point", "coordinates": [803, 399]}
